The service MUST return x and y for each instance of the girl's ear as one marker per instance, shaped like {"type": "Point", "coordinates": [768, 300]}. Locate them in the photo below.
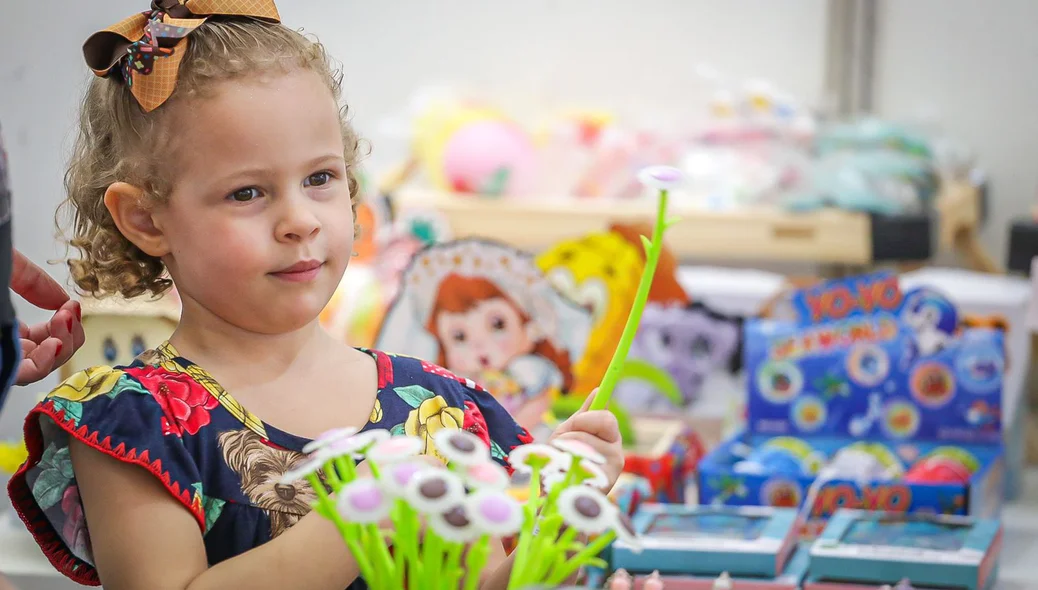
{"type": "Point", "coordinates": [125, 203]}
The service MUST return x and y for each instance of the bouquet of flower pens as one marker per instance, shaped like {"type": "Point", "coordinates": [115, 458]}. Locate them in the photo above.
{"type": "Point", "coordinates": [464, 508]}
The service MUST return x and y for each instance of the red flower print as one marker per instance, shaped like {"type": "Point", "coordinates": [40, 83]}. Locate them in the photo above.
{"type": "Point", "coordinates": [185, 403]}
{"type": "Point", "coordinates": [524, 436]}
{"type": "Point", "coordinates": [475, 423]}
{"type": "Point", "coordinates": [385, 369]}
{"type": "Point", "coordinates": [441, 372]}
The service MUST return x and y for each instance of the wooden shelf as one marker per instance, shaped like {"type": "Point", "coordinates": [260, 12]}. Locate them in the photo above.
{"type": "Point", "coordinates": [761, 234]}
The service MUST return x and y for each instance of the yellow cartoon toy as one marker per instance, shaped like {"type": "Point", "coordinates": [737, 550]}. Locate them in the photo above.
{"type": "Point", "coordinates": [600, 272]}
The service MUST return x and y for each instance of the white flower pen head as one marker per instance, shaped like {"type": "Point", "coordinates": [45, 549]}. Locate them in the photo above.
{"type": "Point", "coordinates": [328, 438]}
{"type": "Point", "coordinates": [434, 491]}
{"type": "Point", "coordinates": [586, 509]}
{"type": "Point", "coordinates": [461, 447]}
{"type": "Point", "coordinates": [454, 524]}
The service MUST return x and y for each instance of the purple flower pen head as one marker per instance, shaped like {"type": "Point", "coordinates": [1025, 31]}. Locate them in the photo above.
{"type": "Point", "coordinates": [495, 512]}
{"type": "Point", "coordinates": [363, 501]}
{"type": "Point", "coordinates": [397, 476]}
{"type": "Point", "coordinates": [661, 177]}
{"type": "Point", "coordinates": [461, 447]}
{"type": "Point", "coordinates": [395, 449]}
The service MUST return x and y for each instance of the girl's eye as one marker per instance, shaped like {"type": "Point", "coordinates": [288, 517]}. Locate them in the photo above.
{"type": "Point", "coordinates": [319, 179]}
{"type": "Point", "coordinates": [244, 195]}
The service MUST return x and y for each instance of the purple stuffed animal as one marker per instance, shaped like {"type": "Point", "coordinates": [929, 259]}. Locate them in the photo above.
{"type": "Point", "coordinates": [689, 343]}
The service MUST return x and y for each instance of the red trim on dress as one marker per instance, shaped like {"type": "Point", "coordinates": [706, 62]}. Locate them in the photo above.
{"type": "Point", "coordinates": [36, 521]}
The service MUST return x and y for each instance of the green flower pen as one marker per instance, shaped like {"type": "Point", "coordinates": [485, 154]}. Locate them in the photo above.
{"type": "Point", "coordinates": [664, 179]}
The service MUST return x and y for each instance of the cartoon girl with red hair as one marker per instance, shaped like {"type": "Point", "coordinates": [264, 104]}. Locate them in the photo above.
{"type": "Point", "coordinates": [486, 312]}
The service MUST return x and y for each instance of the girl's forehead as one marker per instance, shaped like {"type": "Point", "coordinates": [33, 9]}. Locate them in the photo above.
{"type": "Point", "coordinates": [258, 123]}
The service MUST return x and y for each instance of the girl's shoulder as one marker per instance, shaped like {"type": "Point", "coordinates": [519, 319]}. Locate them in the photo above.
{"type": "Point", "coordinates": [145, 414]}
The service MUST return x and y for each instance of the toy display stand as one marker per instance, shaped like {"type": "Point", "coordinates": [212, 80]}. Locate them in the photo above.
{"type": "Point", "coordinates": [835, 238]}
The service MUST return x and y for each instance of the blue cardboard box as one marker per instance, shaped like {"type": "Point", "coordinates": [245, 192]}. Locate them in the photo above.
{"type": "Point", "coordinates": [679, 539]}
{"type": "Point", "coordinates": [859, 547]}
{"type": "Point", "coordinates": [881, 393]}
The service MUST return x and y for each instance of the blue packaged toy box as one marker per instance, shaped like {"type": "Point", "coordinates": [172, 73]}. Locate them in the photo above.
{"type": "Point", "coordinates": [861, 549]}
{"type": "Point", "coordinates": [871, 398]}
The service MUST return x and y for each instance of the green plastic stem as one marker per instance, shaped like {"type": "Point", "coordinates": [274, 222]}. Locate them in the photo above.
{"type": "Point", "coordinates": [475, 561]}
{"type": "Point", "coordinates": [613, 371]}
{"type": "Point", "coordinates": [583, 557]}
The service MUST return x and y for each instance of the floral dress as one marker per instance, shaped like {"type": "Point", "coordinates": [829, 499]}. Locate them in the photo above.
{"type": "Point", "coordinates": [170, 417]}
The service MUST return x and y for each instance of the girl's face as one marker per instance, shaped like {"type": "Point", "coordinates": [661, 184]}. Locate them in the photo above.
{"type": "Point", "coordinates": [485, 338]}
{"type": "Point", "coordinates": [259, 223]}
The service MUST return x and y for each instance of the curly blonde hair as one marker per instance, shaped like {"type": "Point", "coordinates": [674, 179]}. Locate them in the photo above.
{"type": "Point", "coordinates": [119, 141]}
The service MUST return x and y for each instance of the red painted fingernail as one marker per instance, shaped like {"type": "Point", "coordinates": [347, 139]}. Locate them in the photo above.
{"type": "Point", "coordinates": [58, 351]}
{"type": "Point", "coordinates": [70, 323]}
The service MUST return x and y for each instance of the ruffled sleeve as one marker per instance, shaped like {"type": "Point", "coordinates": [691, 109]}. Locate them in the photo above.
{"type": "Point", "coordinates": [129, 414]}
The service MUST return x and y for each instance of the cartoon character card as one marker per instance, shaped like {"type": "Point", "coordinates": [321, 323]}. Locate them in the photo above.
{"type": "Point", "coordinates": [485, 311]}
{"type": "Point", "coordinates": [600, 272]}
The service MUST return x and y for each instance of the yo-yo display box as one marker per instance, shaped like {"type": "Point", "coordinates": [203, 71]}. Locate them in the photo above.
{"type": "Point", "coordinates": [878, 395]}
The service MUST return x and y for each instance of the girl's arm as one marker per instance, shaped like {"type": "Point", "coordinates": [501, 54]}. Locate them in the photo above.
{"type": "Point", "coordinates": [143, 538]}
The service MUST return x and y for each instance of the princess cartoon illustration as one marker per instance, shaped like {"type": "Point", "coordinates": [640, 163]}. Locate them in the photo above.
{"type": "Point", "coordinates": [485, 311]}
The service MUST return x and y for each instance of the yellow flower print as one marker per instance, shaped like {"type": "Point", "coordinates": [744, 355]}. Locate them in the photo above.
{"type": "Point", "coordinates": [431, 416]}
{"type": "Point", "coordinates": [86, 385]}
{"type": "Point", "coordinates": [376, 412]}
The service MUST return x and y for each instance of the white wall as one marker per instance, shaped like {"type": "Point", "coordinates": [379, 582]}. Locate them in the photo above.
{"type": "Point", "coordinates": [973, 66]}
{"type": "Point", "coordinates": [612, 53]}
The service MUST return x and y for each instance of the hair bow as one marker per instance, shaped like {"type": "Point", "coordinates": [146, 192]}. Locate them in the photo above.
{"type": "Point", "coordinates": [148, 47]}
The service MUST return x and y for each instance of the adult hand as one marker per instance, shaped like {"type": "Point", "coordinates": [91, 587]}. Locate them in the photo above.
{"type": "Point", "coordinates": [48, 345]}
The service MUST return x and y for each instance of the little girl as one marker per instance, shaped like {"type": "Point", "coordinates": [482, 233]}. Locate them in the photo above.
{"type": "Point", "coordinates": [213, 154]}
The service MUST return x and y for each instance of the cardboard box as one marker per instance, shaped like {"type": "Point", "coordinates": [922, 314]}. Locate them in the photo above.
{"type": "Point", "coordinates": [867, 371]}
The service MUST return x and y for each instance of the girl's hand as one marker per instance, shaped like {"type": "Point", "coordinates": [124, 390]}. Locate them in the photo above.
{"type": "Point", "coordinates": [600, 430]}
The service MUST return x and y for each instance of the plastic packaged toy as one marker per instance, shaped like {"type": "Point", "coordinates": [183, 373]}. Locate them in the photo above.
{"type": "Point", "coordinates": [861, 550]}
{"type": "Point", "coordinates": [869, 398]}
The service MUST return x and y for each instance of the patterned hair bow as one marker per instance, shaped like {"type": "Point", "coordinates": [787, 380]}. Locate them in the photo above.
{"type": "Point", "coordinates": [146, 49]}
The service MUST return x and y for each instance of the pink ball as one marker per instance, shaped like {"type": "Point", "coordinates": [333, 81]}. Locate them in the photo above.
{"type": "Point", "coordinates": [938, 470]}
{"type": "Point", "coordinates": [490, 157]}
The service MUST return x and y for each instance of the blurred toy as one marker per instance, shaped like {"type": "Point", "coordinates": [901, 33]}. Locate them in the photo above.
{"type": "Point", "coordinates": [118, 330]}
{"type": "Point", "coordinates": [689, 343]}
{"type": "Point", "coordinates": [483, 309]}
{"type": "Point", "coordinates": [723, 582]}
{"type": "Point", "coordinates": [944, 465]}
{"type": "Point", "coordinates": [468, 147]}
{"type": "Point", "coordinates": [782, 455]}
{"type": "Point", "coordinates": [871, 134]}
{"type": "Point", "coordinates": [862, 462]}
{"type": "Point", "coordinates": [12, 455]}
{"type": "Point", "coordinates": [620, 580]}
{"type": "Point", "coordinates": [491, 158]}
{"type": "Point", "coordinates": [600, 272]}
{"type": "Point", "coordinates": [883, 183]}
